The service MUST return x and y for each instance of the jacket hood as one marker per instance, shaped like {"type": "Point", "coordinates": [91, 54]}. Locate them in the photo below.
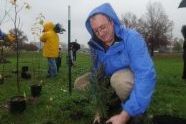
{"type": "Point", "coordinates": [107, 10]}
{"type": "Point", "coordinates": [48, 26]}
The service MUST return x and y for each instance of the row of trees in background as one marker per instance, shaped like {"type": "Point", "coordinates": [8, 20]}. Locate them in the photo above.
{"type": "Point", "coordinates": [10, 12]}
{"type": "Point", "coordinates": [23, 42]}
{"type": "Point", "coordinates": [154, 25]}
{"type": "Point", "coordinates": [156, 28]}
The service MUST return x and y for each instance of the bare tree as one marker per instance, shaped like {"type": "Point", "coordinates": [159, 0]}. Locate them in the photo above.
{"type": "Point", "coordinates": [154, 25]}
{"type": "Point", "coordinates": [159, 25]}
{"type": "Point", "coordinates": [130, 20]}
{"type": "Point", "coordinates": [37, 27]}
{"type": "Point", "coordinates": [16, 19]}
{"type": "Point", "coordinates": [5, 10]}
{"type": "Point", "coordinates": [21, 39]}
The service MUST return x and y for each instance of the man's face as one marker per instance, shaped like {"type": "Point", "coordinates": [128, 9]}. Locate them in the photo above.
{"type": "Point", "coordinates": [103, 28]}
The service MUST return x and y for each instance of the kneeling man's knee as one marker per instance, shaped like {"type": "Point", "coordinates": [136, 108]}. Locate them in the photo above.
{"type": "Point", "coordinates": [122, 82]}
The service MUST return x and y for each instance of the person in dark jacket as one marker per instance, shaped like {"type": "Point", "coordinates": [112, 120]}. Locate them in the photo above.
{"type": "Point", "coordinates": [58, 59]}
{"type": "Point", "coordinates": [125, 57]}
{"type": "Point", "coordinates": [74, 47]}
{"type": "Point", "coordinates": [183, 30]}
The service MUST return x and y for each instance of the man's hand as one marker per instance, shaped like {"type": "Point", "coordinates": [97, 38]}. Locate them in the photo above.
{"type": "Point", "coordinates": [121, 118]}
{"type": "Point", "coordinates": [97, 119]}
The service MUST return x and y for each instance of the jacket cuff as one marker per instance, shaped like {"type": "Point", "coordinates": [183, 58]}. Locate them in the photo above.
{"type": "Point", "coordinates": [128, 110]}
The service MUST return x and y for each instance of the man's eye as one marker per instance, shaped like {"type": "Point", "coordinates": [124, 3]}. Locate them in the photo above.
{"type": "Point", "coordinates": [103, 27]}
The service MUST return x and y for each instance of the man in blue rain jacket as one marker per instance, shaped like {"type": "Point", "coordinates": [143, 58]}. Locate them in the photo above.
{"type": "Point", "coordinates": [125, 57]}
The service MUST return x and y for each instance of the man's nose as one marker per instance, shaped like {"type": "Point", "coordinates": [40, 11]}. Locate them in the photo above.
{"type": "Point", "coordinates": [101, 32]}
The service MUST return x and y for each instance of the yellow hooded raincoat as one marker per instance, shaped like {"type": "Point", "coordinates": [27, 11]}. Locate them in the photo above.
{"type": "Point", "coordinates": [51, 41]}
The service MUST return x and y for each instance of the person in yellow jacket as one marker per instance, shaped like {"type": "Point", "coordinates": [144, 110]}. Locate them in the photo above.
{"type": "Point", "coordinates": [50, 40]}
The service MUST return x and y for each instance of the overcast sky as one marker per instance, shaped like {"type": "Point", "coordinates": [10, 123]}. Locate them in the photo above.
{"type": "Point", "coordinates": [57, 11]}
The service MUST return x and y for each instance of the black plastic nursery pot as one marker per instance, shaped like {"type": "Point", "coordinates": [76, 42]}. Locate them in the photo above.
{"type": "Point", "coordinates": [24, 68]}
{"type": "Point", "coordinates": [1, 80]}
{"type": "Point", "coordinates": [17, 104]}
{"type": "Point", "coordinates": [25, 73]}
{"type": "Point", "coordinates": [36, 90]}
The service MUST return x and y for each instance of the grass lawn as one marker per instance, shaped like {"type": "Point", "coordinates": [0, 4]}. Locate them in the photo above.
{"type": "Point", "coordinates": [169, 97]}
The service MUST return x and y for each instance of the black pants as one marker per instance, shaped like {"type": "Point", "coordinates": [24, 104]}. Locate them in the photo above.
{"type": "Point", "coordinates": [74, 55]}
{"type": "Point", "coordinates": [58, 63]}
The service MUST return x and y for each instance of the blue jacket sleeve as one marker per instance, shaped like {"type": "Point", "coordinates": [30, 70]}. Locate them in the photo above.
{"type": "Point", "coordinates": [144, 74]}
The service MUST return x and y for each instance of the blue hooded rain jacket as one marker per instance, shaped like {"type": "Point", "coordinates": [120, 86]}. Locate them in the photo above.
{"type": "Point", "coordinates": [129, 51]}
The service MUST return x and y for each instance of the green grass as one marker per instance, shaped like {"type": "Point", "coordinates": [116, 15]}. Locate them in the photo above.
{"type": "Point", "coordinates": [169, 97]}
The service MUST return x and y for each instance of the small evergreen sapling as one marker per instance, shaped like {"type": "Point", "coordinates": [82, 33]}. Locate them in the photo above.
{"type": "Point", "coordinates": [101, 92]}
